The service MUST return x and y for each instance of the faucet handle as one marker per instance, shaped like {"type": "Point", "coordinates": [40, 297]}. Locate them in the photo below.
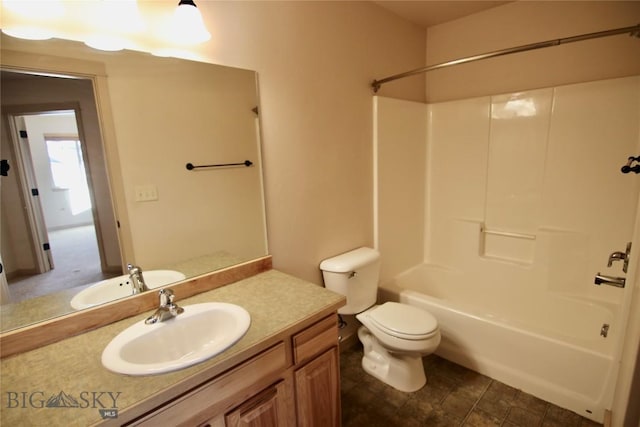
{"type": "Point", "coordinates": [166, 297]}
{"type": "Point", "coordinates": [622, 256]}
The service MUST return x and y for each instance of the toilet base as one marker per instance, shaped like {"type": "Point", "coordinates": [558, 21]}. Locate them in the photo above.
{"type": "Point", "coordinates": [400, 371]}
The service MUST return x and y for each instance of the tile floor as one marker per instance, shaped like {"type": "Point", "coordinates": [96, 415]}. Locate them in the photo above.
{"type": "Point", "coordinates": [453, 396]}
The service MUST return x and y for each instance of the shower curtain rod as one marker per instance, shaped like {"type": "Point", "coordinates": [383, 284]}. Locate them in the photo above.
{"type": "Point", "coordinates": [633, 31]}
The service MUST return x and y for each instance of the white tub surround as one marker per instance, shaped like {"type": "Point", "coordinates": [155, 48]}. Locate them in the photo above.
{"type": "Point", "coordinates": [524, 202]}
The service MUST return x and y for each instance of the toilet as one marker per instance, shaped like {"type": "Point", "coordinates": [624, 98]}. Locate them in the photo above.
{"type": "Point", "coordinates": [395, 336]}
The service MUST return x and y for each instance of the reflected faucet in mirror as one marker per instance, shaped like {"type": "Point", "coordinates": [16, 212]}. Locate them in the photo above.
{"type": "Point", "coordinates": [137, 279]}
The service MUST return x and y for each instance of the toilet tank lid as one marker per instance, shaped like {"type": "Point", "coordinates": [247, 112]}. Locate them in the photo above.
{"type": "Point", "coordinates": [350, 261]}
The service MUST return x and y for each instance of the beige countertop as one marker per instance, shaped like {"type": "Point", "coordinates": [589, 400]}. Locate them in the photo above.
{"type": "Point", "coordinates": [276, 301]}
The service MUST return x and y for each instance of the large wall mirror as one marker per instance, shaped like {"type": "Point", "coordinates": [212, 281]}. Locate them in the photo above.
{"type": "Point", "coordinates": [97, 144]}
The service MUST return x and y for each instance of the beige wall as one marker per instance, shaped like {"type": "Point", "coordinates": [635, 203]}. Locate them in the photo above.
{"type": "Point", "coordinates": [315, 61]}
{"type": "Point", "coordinates": [525, 22]}
{"type": "Point", "coordinates": [400, 179]}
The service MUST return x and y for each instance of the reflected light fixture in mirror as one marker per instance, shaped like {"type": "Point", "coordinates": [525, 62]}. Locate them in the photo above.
{"type": "Point", "coordinates": [36, 13]}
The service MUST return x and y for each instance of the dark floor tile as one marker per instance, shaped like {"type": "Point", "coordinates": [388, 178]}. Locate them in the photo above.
{"type": "Point", "coordinates": [366, 419]}
{"type": "Point", "coordinates": [453, 396]}
{"type": "Point", "coordinates": [499, 391]}
{"type": "Point", "coordinates": [371, 383]}
{"type": "Point", "coordinates": [585, 422]}
{"type": "Point", "coordinates": [531, 403]}
{"type": "Point", "coordinates": [498, 408]}
{"type": "Point", "coordinates": [430, 360]}
{"type": "Point", "coordinates": [394, 397]}
{"type": "Point", "coordinates": [358, 398]}
{"type": "Point", "coordinates": [457, 405]}
{"type": "Point", "coordinates": [444, 368]}
{"type": "Point", "coordinates": [440, 418]}
{"type": "Point", "coordinates": [559, 417]}
{"type": "Point", "coordinates": [347, 383]}
{"type": "Point", "coordinates": [473, 385]}
{"type": "Point", "coordinates": [441, 380]}
{"type": "Point", "coordinates": [523, 418]}
{"type": "Point", "coordinates": [434, 391]}
{"type": "Point", "coordinates": [385, 415]}
{"type": "Point", "coordinates": [417, 409]}
{"type": "Point", "coordinates": [480, 418]}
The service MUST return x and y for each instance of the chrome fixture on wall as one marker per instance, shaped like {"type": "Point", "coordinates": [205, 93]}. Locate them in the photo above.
{"type": "Point", "coordinates": [628, 168]}
{"type": "Point", "coordinates": [618, 282]}
{"type": "Point", "coordinates": [633, 31]}
{"type": "Point", "coordinates": [620, 256]}
{"type": "Point", "coordinates": [191, 166]}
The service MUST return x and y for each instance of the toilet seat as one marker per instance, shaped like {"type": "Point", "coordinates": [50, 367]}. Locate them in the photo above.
{"type": "Point", "coordinates": [404, 321]}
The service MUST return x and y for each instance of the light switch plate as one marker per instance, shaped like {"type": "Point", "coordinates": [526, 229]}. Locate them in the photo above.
{"type": "Point", "coordinates": [146, 193]}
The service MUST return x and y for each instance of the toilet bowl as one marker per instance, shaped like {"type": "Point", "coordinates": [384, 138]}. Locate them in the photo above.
{"type": "Point", "coordinates": [395, 337]}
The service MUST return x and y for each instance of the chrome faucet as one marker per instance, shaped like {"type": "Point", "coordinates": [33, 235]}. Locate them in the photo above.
{"type": "Point", "coordinates": [620, 256]}
{"type": "Point", "coordinates": [167, 310]}
{"type": "Point", "coordinates": [601, 279]}
{"type": "Point", "coordinates": [137, 281]}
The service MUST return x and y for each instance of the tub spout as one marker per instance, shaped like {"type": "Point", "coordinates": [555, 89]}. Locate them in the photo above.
{"type": "Point", "coordinates": [618, 282]}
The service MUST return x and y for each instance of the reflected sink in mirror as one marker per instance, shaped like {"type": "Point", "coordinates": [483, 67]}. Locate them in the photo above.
{"type": "Point", "coordinates": [199, 333]}
{"type": "Point", "coordinates": [120, 287]}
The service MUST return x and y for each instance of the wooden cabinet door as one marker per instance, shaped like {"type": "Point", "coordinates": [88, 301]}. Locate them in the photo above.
{"type": "Point", "coordinates": [267, 409]}
{"type": "Point", "coordinates": [318, 391]}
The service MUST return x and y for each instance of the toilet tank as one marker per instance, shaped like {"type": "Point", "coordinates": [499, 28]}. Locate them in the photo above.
{"type": "Point", "coordinates": [353, 274]}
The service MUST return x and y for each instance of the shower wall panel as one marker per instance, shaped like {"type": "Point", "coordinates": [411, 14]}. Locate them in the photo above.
{"type": "Point", "coordinates": [526, 188]}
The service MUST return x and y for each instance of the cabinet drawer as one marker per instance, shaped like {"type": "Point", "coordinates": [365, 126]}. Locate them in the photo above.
{"type": "Point", "coordinates": [212, 397]}
{"type": "Point", "coordinates": [315, 339]}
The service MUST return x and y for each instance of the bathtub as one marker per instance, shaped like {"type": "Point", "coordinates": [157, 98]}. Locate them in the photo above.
{"type": "Point", "coordinates": [546, 344]}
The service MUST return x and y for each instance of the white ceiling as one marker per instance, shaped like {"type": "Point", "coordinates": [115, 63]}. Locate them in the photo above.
{"type": "Point", "coordinates": [427, 13]}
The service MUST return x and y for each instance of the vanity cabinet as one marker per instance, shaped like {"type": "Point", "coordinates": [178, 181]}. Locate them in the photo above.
{"type": "Point", "coordinates": [268, 408]}
{"type": "Point", "coordinates": [295, 382]}
{"type": "Point", "coordinates": [318, 391]}
{"type": "Point", "coordinates": [317, 380]}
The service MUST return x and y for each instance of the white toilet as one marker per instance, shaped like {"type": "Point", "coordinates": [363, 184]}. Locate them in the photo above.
{"type": "Point", "coordinates": [395, 336]}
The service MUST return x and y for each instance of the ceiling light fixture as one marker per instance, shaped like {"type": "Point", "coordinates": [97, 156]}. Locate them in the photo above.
{"type": "Point", "coordinates": [187, 26]}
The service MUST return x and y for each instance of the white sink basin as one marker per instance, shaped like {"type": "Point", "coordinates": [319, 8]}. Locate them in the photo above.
{"type": "Point", "coordinates": [200, 332]}
{"type": "Point", "coordinates": [120, 287]}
